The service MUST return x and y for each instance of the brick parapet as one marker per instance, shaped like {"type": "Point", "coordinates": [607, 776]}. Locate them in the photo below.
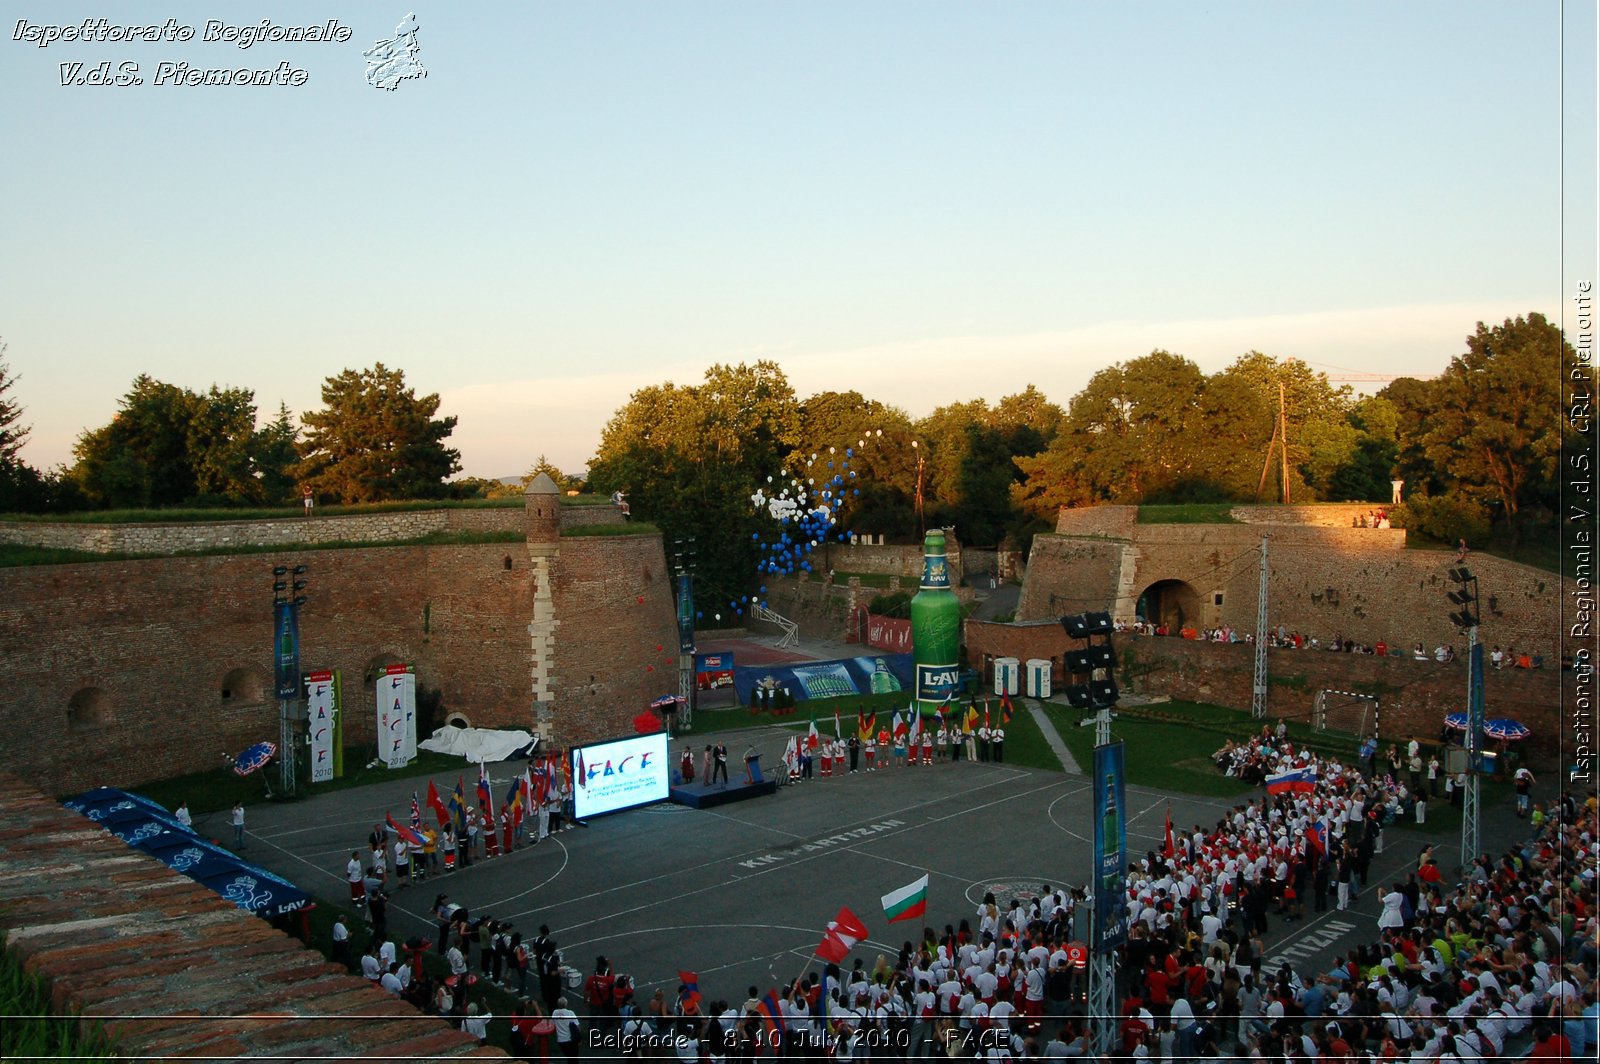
{"type": "Point", "coordinates": [176, 969]}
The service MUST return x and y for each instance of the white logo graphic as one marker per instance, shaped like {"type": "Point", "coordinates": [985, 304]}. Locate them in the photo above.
{"type": "Point", "coordinates": [393, 61]}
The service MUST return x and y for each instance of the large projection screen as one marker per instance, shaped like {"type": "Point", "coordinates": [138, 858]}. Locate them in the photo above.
{"type": "Point", "coordinates": [619, 775]}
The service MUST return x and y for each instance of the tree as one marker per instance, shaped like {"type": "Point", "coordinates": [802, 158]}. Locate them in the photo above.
{"type": "Point", "coordinates": [691, 457]}
{"type": "Point", "coordinates": [274, 454]}
{"type": "Point", "coordinates": [1496, 427]}
{"type": "Point", "coordinates": [22, 488]}
{"type": "Point", "coordinates": [142, 458]}
{"type": "Point", "coordinates": [375, 439]}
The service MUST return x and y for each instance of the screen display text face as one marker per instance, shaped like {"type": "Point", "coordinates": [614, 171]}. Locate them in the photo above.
{"type": "Point", "coordinates": [619, 775]}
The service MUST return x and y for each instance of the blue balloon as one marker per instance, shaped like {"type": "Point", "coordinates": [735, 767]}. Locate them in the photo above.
{"type": "Point", "coordinates": [855, 491]}
{"type": "Point", "coordinates": [850, 451]}
{"type": "Point", "coordinates": [830, 465]}
{"type": "Point", "coordinates": [763, 589]}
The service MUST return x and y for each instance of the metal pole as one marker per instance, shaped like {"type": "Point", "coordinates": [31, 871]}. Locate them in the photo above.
{"type": "Point", "coordinates": [1258, 693]}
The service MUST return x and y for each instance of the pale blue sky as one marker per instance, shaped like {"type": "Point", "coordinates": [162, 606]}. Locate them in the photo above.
{"type": "Point", "coordinates": [926, 201]}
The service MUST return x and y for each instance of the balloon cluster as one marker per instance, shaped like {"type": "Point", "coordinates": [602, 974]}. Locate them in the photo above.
{"type": "Point", "coordinates": [809, 508]}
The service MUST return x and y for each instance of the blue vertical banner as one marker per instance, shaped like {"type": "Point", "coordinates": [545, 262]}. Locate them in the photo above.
{"type": "Point", "coordinates": [685, 613]}
{"type": "Point", "coordinates": [1475, 707]}
{"type": "Point", "coordinates": [286, 649]}
{"type": "Point", "coordinates": [1110, 849]}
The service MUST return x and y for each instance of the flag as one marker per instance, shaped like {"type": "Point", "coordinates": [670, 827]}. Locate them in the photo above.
{"type": "Point", "coordinates": [1317, 837]}
{"type": "Point", "coordinates": [910, 902]}
{"type": "Point", "coordinates": [841, 936]}
{"type": "Point", "coordinates": [970, 722]}
{"type": "Point", "coordinates": [1005, 708]}
{"type": "Point", "coordinates": [771, 1014]}
{"type": "Point", "coordinates": [791, 755]}
{"type": "Point", "coordinates": [691, 986]}
{"type": "Point", "coordinates": [866, 725]}
{"type": "Point", "coordinates": [564, 766]}
{"type": "Point", "coordinates": [1168, 850]}
{"type": "Point", "coordinates": [437, 805]}
{"type": "Point", "coordinates": [986, 713]}
{"type": "Point", "coordinates": [836, 733]}
{"type": "Point", "coordinates": [1295, 780]}
{"type": "Point", "coordinates": [485, 799]}
{"type": "Point", "coordinates": [583, 778]}
{"type": "Point", "coordinates": [458, 806]}
{"type": "Point", "coordinates": [899, 729]}
{"type": "Point", "coordinates": [416, 811]}
{"type": "Point", "coordinates": [514, 800]}
{"type": "Point", "coordinates": [824, 1000]}
{"type": "Point", "coordinates": [916, 724]}
{"type": "Point", "coordinates": [408, 834]}
{"type": "Point", "coordinates": [812, 739]}
{"type": "Point", "coordinates": [541, 781]}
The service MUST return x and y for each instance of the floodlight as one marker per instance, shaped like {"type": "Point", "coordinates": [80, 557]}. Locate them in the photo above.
{"type": "Point", "coordinates": [1078, 695]}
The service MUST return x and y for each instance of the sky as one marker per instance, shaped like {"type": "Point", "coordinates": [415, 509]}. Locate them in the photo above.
{"type": "Point", "coordinates": [926, 202]}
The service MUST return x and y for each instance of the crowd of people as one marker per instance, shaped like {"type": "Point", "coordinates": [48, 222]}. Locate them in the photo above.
{"type": "Point", "coordinates": [1499, 961]}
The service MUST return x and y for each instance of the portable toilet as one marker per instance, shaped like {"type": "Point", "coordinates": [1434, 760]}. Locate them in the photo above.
{"type": "Point", "coordinates": [1039, 677]}
{"type": "Point", "coordinates": [1007, 675]}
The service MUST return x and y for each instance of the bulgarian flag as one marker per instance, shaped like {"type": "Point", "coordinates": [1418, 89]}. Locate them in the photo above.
{"type": "Point", "coordinates": [910, 902]}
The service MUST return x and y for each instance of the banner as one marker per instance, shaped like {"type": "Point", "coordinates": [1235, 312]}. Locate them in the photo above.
{"type": "Point", "coordinates": [712, 671]}
{"type": "Point", "coordinates": [397, 716]}
{"type": "Point", "coordinates": [286, 649]}
{"type": "Point", "coordinates": [1110, 849]}
{"type": "Point", "coordinates": [828, 679]}
{"type": "Point", "coordinates": [889, 633]}
{"type": "Point", "coordinates": [1474, 743]}
{"type": "Point", "coordinates": [322, 718]}
{"type": "Point", "coordinates": [685, 613]}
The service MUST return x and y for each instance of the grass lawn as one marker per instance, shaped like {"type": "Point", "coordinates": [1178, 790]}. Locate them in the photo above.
{"type": "Point", "coordinates": [1188, 513]}
{"type": "Point", "coordinates": [218, 788]}
{"type": "Point", "coordinates": [1160, 755]}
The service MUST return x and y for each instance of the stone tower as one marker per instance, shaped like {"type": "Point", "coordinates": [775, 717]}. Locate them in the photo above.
{"type": "Point", "coordinates": [542, 518]}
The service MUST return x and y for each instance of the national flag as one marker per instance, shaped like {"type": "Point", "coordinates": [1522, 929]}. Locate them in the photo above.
{"type": "Point", "coordinates": [986, 713]}
{"type": "Point", "coordinates": [691, 986]}
{"type": "Point", "coordinates": [916, 725]}
{"type": "Point", "coordinates": [416, 811]}
{"type": "Point", "coordinates": [866, 725]}
{"type": "Point", "coordinates": [812, 738]}
{"type": "Point", "coordinates": [771, 1013]}
{"type": "Point", "coordinates": [564, 766]}
{"type": "Point", "coordinates": [899, 729]}
{"type": "Point", "coordinates": [485, 798]}
{"type": "Point", "coordinates": [969, 723]}
{"type": "Point", "coordinates": [437, 805]}
{"type": "Point", "coordinates": [1005, 708]}
{"type": "Point", "coordinates": [410, 836]}
{"type": "Point", "coordinates": [910, 902]}
{"type": "Point", "coordinates": [583, 776]}
{"type": "Point", "coordinates": [1168, 849]}
{"type": "Point", "coordinates": [541, 781]}
{"type": "Point", "coordinates": [1317, 837]}
{"type": "Point", "coordinates": [841, 936]}
{"type": "Point", "coordinates": [1298, 780]}
{"type": "Point", "coordinates": [791, 755]}
{"type": "Point", "coordinates": [458, 806]}
{"type": "Point", "coordinates": [514, 800]}
{"type": "Point", "coordinates": [825, 1000]}
{"type": "Point", "coordinates": [837, 734]}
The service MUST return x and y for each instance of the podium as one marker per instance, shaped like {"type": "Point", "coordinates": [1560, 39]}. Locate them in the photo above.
{"type": "Point", "coordinates": [752, 769]}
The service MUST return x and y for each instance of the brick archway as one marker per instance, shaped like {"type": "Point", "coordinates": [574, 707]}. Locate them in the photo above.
{"type": "Point", "coordinates": [1170, 602]}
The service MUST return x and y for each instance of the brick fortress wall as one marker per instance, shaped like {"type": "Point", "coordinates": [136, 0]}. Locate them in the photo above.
{"type": "Point", "coordinates": [1327, 580]}
{"type": "Point", "coordinates": [1415, 696]}
{"type": "Point", "coordinates": [116, 671]}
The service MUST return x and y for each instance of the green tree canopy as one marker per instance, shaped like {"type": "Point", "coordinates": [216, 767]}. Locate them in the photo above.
{"type": "Point", "coordinates": [22, 487]}
{"type": "Point", "coordinates": [375, 439]}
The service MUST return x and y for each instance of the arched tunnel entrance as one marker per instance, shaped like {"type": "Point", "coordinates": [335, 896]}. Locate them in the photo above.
{"type": "Point", "coordinates": [1170, 602]}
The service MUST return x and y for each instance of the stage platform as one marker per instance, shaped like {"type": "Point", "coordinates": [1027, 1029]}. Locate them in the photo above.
{"type": "Point", "coordinates": [698, 796]}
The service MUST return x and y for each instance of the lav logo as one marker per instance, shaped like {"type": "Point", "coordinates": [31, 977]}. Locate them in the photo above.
{"type": "Point", "coordinates": [934, 682]}
{"type": "Point", "coordinates": [621, 768]}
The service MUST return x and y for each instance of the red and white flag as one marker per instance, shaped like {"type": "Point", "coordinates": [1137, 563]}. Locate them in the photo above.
{"type": "Point", "coordinates": [812, 738]}
{"type": "Point", "coordinates": [1168, 849]}
{"type": "Point", "coordinates": [844, 931]}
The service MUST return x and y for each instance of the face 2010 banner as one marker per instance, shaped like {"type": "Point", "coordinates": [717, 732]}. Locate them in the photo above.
{"type": "Point", "coordinates": [322, 722]}
{"type": "Point", "coordinates": [397, 715]}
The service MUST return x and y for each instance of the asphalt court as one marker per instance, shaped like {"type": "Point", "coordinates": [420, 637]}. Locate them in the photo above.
{"type": "Point", "coordinates": [740, 893]}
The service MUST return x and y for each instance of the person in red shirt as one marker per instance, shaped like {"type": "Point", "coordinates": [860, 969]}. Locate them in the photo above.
{"type": "Point", "coordinates": [1157, 985]}
{"type": "Point", "coordinates": [1549, 1044]}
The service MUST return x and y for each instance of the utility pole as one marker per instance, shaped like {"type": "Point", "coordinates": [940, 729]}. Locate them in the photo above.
{"type": "Point", "coordinates": [1258, 692]}
{"type": "Point", "coordinates": [1280, 443]}
{"type": "Point", "coordinates": [1466, 596]}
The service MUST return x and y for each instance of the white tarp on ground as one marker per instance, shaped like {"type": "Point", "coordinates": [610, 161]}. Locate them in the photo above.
{"type": "Point", "coordinates": [479, 744]}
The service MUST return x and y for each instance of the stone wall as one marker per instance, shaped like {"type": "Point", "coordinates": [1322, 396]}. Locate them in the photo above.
{"type": "Point", "coordinates": [152, 538]}
{"type": "Point", "coordinates": [172, 969]}
{"type": "Point", "coordinates": [120, 672]}
{"type": "Point", "coordinates": [1359, 584]}
{"type": "Point", "coordinates": [893, 559]}
{"type": "Point", "coordinates": [1414, 696]}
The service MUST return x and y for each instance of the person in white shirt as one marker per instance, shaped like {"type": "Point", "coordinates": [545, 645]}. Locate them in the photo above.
{"type": "Point", "coordinates": [566, 1022]}
{"type": "Point", "coordinates": [477, 1023]}
{"type": "Point", "coordinates": [390, 981]}
{"type": "Point", "coordinates": [181, 815]}
{"type": "Point", "coordinates": [371, 971]}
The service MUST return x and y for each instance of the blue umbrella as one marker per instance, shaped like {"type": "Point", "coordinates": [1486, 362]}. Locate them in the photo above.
{"type": "Point", "coordinates": [1505, 728]}
{"type": "Point", "coordinates": [254, 757]}
{"type": "Point", "coordinates": [1456, 721]}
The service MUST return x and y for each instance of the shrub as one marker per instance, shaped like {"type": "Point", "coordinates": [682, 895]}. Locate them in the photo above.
{"type": "Point", "coordinates": [1443, 517]}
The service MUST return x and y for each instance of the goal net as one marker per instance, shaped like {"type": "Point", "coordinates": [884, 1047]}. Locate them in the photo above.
{"type": "Point", "coordinates": [1345, 711]}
